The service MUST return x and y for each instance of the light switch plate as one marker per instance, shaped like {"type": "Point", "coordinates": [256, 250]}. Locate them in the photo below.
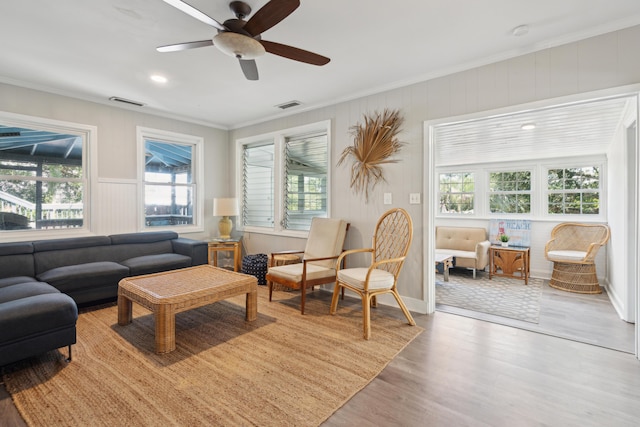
{"type": "Point", "coordinates": [387, 198]}
{"type": "Point", "coordinates": [414, 198]}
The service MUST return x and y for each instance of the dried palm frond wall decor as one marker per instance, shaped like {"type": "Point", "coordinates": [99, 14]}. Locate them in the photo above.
{"type": "Point", "coordinates": [374, 142]}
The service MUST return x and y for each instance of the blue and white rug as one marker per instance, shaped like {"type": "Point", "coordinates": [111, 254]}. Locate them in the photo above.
{"type": "Point", "coordinates": [500, 296]}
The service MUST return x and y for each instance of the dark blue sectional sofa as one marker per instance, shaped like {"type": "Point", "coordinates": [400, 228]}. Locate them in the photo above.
{"type": "Point", "coordinates": [43, 282]}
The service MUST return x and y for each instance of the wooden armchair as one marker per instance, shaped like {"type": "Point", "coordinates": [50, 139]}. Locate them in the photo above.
{"type": "Point", "coordinates": [391, 241]}
{"type": "Point", "coordinates": [572, 249]}
{"type": "Point", "coordinates": [324, 245]}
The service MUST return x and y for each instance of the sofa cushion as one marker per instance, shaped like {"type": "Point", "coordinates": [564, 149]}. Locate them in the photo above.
{"type": "Point", "coordinates": [51, 254]}
{"type": "Point", "coordinates": [9, 281]}
{"type": "Point", "coordinates": [71, 277]}
{"type": "Point", "coordinates": [16, 259]}
{"type": "Point", "coordinates": [24, 290]}
{"type": "Point", "coordinates": [155, 263]}
{"type": "Point", "coordinates": [125, 251]}
{"type": "Point", "coordinates": [458, 254]}
{"type": "Point", "coordinates": [35, 315]}
{"type": "Point", "coordinates": [460, 238]}
{"type": "Point", "coordinates": [155, 236]}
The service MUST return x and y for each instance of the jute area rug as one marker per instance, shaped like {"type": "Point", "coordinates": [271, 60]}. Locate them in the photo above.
{"type": "Point", "coordinates": [500, 296]}
{"type": "Point", "coordinates": [283, 369]}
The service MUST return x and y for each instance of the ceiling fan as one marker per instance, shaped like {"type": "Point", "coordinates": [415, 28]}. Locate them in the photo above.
{"type": "Point", "coordinates": [241, 39]}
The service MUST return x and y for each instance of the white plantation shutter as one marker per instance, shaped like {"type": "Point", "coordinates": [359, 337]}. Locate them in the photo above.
{"type": "Point", "coordinates": [305, 179]}
{"type": "Point", "coordinates": [258, 184]}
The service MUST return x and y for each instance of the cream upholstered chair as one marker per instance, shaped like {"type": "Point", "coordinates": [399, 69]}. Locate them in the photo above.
{"type": "Point", "coordinates": [324, 244]}
{"type": "Point", "coordinates": [572, 249]}
{"type": "Point", "coordinates": [391, 241]}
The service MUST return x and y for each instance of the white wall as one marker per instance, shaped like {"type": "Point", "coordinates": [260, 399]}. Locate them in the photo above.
{"type": "Point", "coordinates": [590, 65]}
{"type": "Point", "coordinates": [114, 202]}
{"type": "Point", "coordinates": [618, 280]}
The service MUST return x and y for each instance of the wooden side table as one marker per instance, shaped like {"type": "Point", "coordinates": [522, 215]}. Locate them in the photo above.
{"type": "Point", "coordinates": [510, 260]}
{"type": "Point", "coordinates": [230, 245]}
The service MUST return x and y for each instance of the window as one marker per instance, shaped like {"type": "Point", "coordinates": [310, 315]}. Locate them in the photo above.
{"type": "Point", "coordinates": [574, 191]}
{"type": "Point", "coordinates": [170, 176]}
{"type": "Point", "coordinates": [284, 178]}
{"type": "Point", "coordinates": [43, 174]}
{"type": "Point", "coordinates": [306, 180]}
{"type": "Point", "coordinates": [457, 193]}
{"type": "Point", "coordinates": [510, 192]}
{"type": "Point", "coordinates": [258, 185]}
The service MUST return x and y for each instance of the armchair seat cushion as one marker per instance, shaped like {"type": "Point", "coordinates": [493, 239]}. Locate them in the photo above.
{"type": "Point", "coordinates": [293, 272]}
{"type": "Point", "coordinates": [566, 255]}
{"type": "Point", "coordinates": [379, 279]}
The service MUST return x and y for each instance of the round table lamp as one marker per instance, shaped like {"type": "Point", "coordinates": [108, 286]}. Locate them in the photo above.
{"type": "Point", "coordinates": [225, 207]}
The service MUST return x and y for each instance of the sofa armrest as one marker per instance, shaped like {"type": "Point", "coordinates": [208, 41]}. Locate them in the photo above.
{"type": "Point", "coordinates": [482, 254]}
{"type": "Point", "coordinates": [197, 250]}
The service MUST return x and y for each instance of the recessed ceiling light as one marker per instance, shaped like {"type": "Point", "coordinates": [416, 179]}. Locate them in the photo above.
{"type": "Point", "coordinates": [158, 78]}
{"type": "Point", "coordinates": [520, 30]}
{"type": "Point", "coordinates": [528, 126]}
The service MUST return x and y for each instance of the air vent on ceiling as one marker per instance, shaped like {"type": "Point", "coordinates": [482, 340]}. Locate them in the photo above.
{"type": "Point", "coordinates": [126, 101]}
{"type": "Point", "coordinates": [8, 134]}
{"type": "Point", "coordinates": [289, 105]}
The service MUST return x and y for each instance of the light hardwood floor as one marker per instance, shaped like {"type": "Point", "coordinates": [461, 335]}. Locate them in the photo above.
{"type": "Point", "coordinates": [588, 318]}
{"type": "Point", "coordinates": [466, 372]}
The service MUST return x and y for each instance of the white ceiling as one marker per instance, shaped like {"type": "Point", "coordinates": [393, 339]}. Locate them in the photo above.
{"type": "Point", "coordinates": [102, 48]}
{"type": "Point", "coordinates": [576, 129]}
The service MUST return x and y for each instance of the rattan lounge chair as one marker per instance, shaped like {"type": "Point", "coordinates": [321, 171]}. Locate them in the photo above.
{"type": "Point", "coordinates": [572, 249]}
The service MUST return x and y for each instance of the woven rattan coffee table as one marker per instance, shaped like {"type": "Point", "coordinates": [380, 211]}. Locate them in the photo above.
{"type": "Point", "coordinates": [171, 292]}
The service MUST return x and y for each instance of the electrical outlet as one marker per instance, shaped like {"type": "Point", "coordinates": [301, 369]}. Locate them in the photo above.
{"type": "Point", "coordinates": [387, 199]}
{"type": "Point", "coordinates": [414, 198]}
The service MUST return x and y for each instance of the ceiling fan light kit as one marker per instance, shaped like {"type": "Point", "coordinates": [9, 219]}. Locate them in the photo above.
{"type": "Point", "coordinates": [238, 45]}
{"type": "Point", "coordinates": [242, 39]}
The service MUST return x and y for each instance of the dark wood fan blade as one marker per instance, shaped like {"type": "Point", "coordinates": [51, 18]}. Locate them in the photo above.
{"type": "Point", "coordinates": [249, 68]}
{"type": "Point", "coordinates": [195, 13]}
{"type": "Point", "coordinates": [294, 53]}
{"type": "Point", "coordinates": [269, 15]}
{"type": "Point", "coordinates": [184, 46]}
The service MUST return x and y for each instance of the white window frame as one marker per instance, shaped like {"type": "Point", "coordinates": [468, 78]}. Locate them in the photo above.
{"type": "Point", "coordinates": [539, 191]}
{"type": "Point", "coordinates": [279, 140]}
{"type": "Point", "coordinates": [533, 200]}
{"type": "Point", "coordinates": [579, 162]}
{"type": "Point", "coordinates": [476, 200]}
{"type": "Point", "coordinates": [89, 135]}
{"type": "Point", "coordinates": [197, 176]}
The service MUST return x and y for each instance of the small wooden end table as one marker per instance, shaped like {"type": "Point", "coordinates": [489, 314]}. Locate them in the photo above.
{"type": "Point", "coordinates": [509, 260]}
{"type": "Point", "coordinates": [175, 291]}
{"type": "Point", "coordinates": [230, 245]}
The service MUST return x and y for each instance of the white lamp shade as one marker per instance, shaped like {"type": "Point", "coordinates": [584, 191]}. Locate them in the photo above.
{"type": "Point", "coordinates": [226, 207]}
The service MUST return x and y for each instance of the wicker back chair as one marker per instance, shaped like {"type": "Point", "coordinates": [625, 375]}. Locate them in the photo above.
{"type": "Point", "coordinates": [572, 249]}
{"type": "Point", "coordinates": [391, 241]}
